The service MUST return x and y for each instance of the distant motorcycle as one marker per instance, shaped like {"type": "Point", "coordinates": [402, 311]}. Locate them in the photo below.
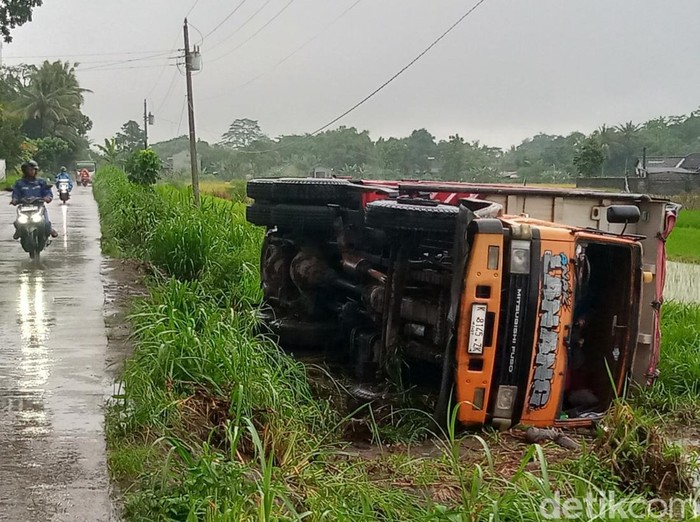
{"type": "Point", "coordinates": [84, 177]}
{"type": "Point", "coordinates": [31, 225]}
{"type": "Point", "coordinates": [64, 191]}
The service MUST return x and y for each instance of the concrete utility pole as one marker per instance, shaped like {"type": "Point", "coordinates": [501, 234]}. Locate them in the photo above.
{"type": "Point", "coordinates": [145, 125]}
{"type": "Point", "coordinates": [190, 114]}
{"type": "Point", "coordinates": [147, 120]}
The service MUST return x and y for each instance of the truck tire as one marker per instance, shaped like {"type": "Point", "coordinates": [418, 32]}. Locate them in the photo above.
{"type": "Point", "coordinates": [304, 217]}
{"type": "Point", "coordinates": [259, 214]}
{"type": "Point", "coordinates": [390, 214]}
{"type": "Point", "coordinates": [260, 189]}
{"type": "Point", "coordinates": [299, 190]}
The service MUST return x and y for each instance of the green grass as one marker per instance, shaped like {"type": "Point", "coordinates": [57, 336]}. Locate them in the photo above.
{"type": "Point", "coordinates": [10, 180]}
{"type": "Point", "coordinates": [216, 423]}
{"type": "Point", "coordinates": [684, 242]}
{"type": "Point", "coordinates": [676, 394]}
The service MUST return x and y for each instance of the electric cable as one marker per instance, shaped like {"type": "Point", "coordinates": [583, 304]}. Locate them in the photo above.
{"type": "Point", "coordinates": [288, 56]}
{"type": "Point", "coordinates": [225, 19]}
{"type": "Point", "coordinates": [284, 8]}
{"type": "Point", "coordinates": [242, 25]}
{"type": "Point", "coordinates": [192, 8]}
{"type": "Point", "coordinates": [383, 85]}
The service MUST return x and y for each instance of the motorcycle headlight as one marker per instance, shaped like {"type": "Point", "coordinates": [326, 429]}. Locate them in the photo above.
{"type": "Point", "coordinates": [36, 218]}
{"type": "Point", "coordinates": [519, 256]}
{"type": "Point", "coordinates": [22, 219]}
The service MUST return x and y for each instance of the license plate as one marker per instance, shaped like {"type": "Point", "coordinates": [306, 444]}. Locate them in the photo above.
{"type": "Point", "coordinates": [477, 328]}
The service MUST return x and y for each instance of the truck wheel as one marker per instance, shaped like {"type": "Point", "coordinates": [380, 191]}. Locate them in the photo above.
{"type": "Point", "coordinates": [260, 189]}
{"type": "Point", "coordinates": [259, 214]}
{"type": "Point", "coordinates": [304, 217]}
{"type": "Point", "coordinates": [392, 214]}
{"type": "Point", "coordinates": [299, 190]}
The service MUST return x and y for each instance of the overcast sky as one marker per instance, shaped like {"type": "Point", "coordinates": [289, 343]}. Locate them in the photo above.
{"type": "Point", "coordinates": [510, 70]}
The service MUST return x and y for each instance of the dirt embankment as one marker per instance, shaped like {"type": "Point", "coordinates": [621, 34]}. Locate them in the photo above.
{"type": "Point", "coordinates": [123, 280]}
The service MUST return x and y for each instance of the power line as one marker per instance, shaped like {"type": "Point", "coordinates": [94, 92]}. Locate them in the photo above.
{"type": "Point", "coordinates": [169, 90]}
{"type": "Point", "coordinates": [225, 19]}
{"type": "Point", "coordinates": [126, 53]}
{"type": "Point", "coordinates": [124, 68]}
{"type": "Point", "coordinates": [242, 25]}
{"type": "Point", "coordinates": [383, 85]}
{"type": "Point", "coordinates": [103, 63]}
{"type": "Point", "coordinates": [182, 115]}
{"type": "Point", "coordinates": [107, 65]}
{"type": "Point", "coordinates": [288, 56]}
{"type": "Point", "coordinates": [192, 8]}
{"type": "Point", "coordinates": [173, 48]}
{"type": "Point", "coordinates": [284, 8]}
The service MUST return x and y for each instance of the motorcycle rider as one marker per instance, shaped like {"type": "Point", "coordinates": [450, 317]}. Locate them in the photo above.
{"type": "Point", "coordinates": [64, 176]}
{"type": "Point", "coordinates": [29, 186]}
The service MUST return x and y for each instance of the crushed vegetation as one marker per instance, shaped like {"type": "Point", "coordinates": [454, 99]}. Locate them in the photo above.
{"type": "Point", "coordinates": [216, 423]}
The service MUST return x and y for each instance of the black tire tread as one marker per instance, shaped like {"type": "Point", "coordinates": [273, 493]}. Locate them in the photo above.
{"type": "Point", "coordinates": [304, 217]}
{"type": "Point", "coordinates": [259, 214]}
{"type": "Point", "coordinates": [298, 190]}
{"type": "Point", "coordinates": [391, 215]}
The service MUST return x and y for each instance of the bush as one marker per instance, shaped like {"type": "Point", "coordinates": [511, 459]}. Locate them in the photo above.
{"type": "Point", "coordinates": [143, 167]}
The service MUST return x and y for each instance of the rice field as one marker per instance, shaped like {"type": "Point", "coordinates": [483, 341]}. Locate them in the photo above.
{"type": "Point", "coordinates": [683, 244]}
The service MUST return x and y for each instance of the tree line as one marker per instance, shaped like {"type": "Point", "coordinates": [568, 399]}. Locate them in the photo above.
{"type": "Point", "coordinates": [246, 151]}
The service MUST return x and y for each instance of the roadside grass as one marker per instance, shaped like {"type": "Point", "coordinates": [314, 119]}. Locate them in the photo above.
{"type": "Point", "coordinates": [676, 394]}
{"type": "Point", "coordinates": [6, 184]}
{"type": "Point", "coordinates": [216, 423]}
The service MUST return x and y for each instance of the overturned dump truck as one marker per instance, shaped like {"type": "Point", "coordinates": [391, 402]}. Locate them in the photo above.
{"type": "Point", "coordinates": [522, 305]}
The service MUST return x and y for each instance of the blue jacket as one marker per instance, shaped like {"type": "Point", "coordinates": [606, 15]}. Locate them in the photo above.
{"type": "Point", "coordinates": [64, 176]}
{"type": "Point", "coordinates": [25, 188]}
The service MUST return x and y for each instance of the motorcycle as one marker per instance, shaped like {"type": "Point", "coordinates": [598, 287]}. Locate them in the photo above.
{"type": "Point", "coordinates": [63, 191]}
{"type": "Point", "coordinates": [31, 225]}
{"type": "Point", "coordinates": [84, 178]}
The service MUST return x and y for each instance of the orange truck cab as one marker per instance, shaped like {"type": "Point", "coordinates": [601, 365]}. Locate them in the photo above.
{"type": "Point", "coordinates": [548, 323]}
{"type": "Point", "coordinates": [518, 305]}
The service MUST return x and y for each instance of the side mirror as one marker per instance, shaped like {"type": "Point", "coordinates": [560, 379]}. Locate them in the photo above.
{"type": "Point", "coordinates": [623, 214]}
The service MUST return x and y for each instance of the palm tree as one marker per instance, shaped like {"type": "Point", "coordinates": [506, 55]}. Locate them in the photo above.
{"type": "Point", "coordinates": [51, 102]}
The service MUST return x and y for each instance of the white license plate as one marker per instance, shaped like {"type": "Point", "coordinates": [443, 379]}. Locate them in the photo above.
{"type": "Point", "coordinates": [477, 328]}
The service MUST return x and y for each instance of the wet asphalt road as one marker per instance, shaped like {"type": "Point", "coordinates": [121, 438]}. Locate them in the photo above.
{"type": "Point", "coordinates": [52, 370]}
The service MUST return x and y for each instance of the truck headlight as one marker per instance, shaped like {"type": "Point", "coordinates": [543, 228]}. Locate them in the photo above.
{"type": "Point", "coordinates": [519, 256]}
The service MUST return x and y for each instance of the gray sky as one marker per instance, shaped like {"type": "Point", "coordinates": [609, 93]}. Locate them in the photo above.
{"type": "Point", "coordinates": [512, 69]}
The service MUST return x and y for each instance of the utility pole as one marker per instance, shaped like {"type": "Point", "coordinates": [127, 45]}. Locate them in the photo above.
{"type": "Point", "coordinates": [147, 120]}
{"type": "Point", "coordinates": [145, 125]}
{"type": "Point", "coordinates": [190, 114]}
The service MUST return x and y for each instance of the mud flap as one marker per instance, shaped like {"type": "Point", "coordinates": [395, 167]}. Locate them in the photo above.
{"type": "Point", "coordinates": [460, 255]}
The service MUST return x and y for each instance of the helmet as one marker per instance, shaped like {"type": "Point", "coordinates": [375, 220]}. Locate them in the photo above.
{"type": "Point", "coordinates": [63, 169]}
{"type": "Point", "coordinates": [31, 164]}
